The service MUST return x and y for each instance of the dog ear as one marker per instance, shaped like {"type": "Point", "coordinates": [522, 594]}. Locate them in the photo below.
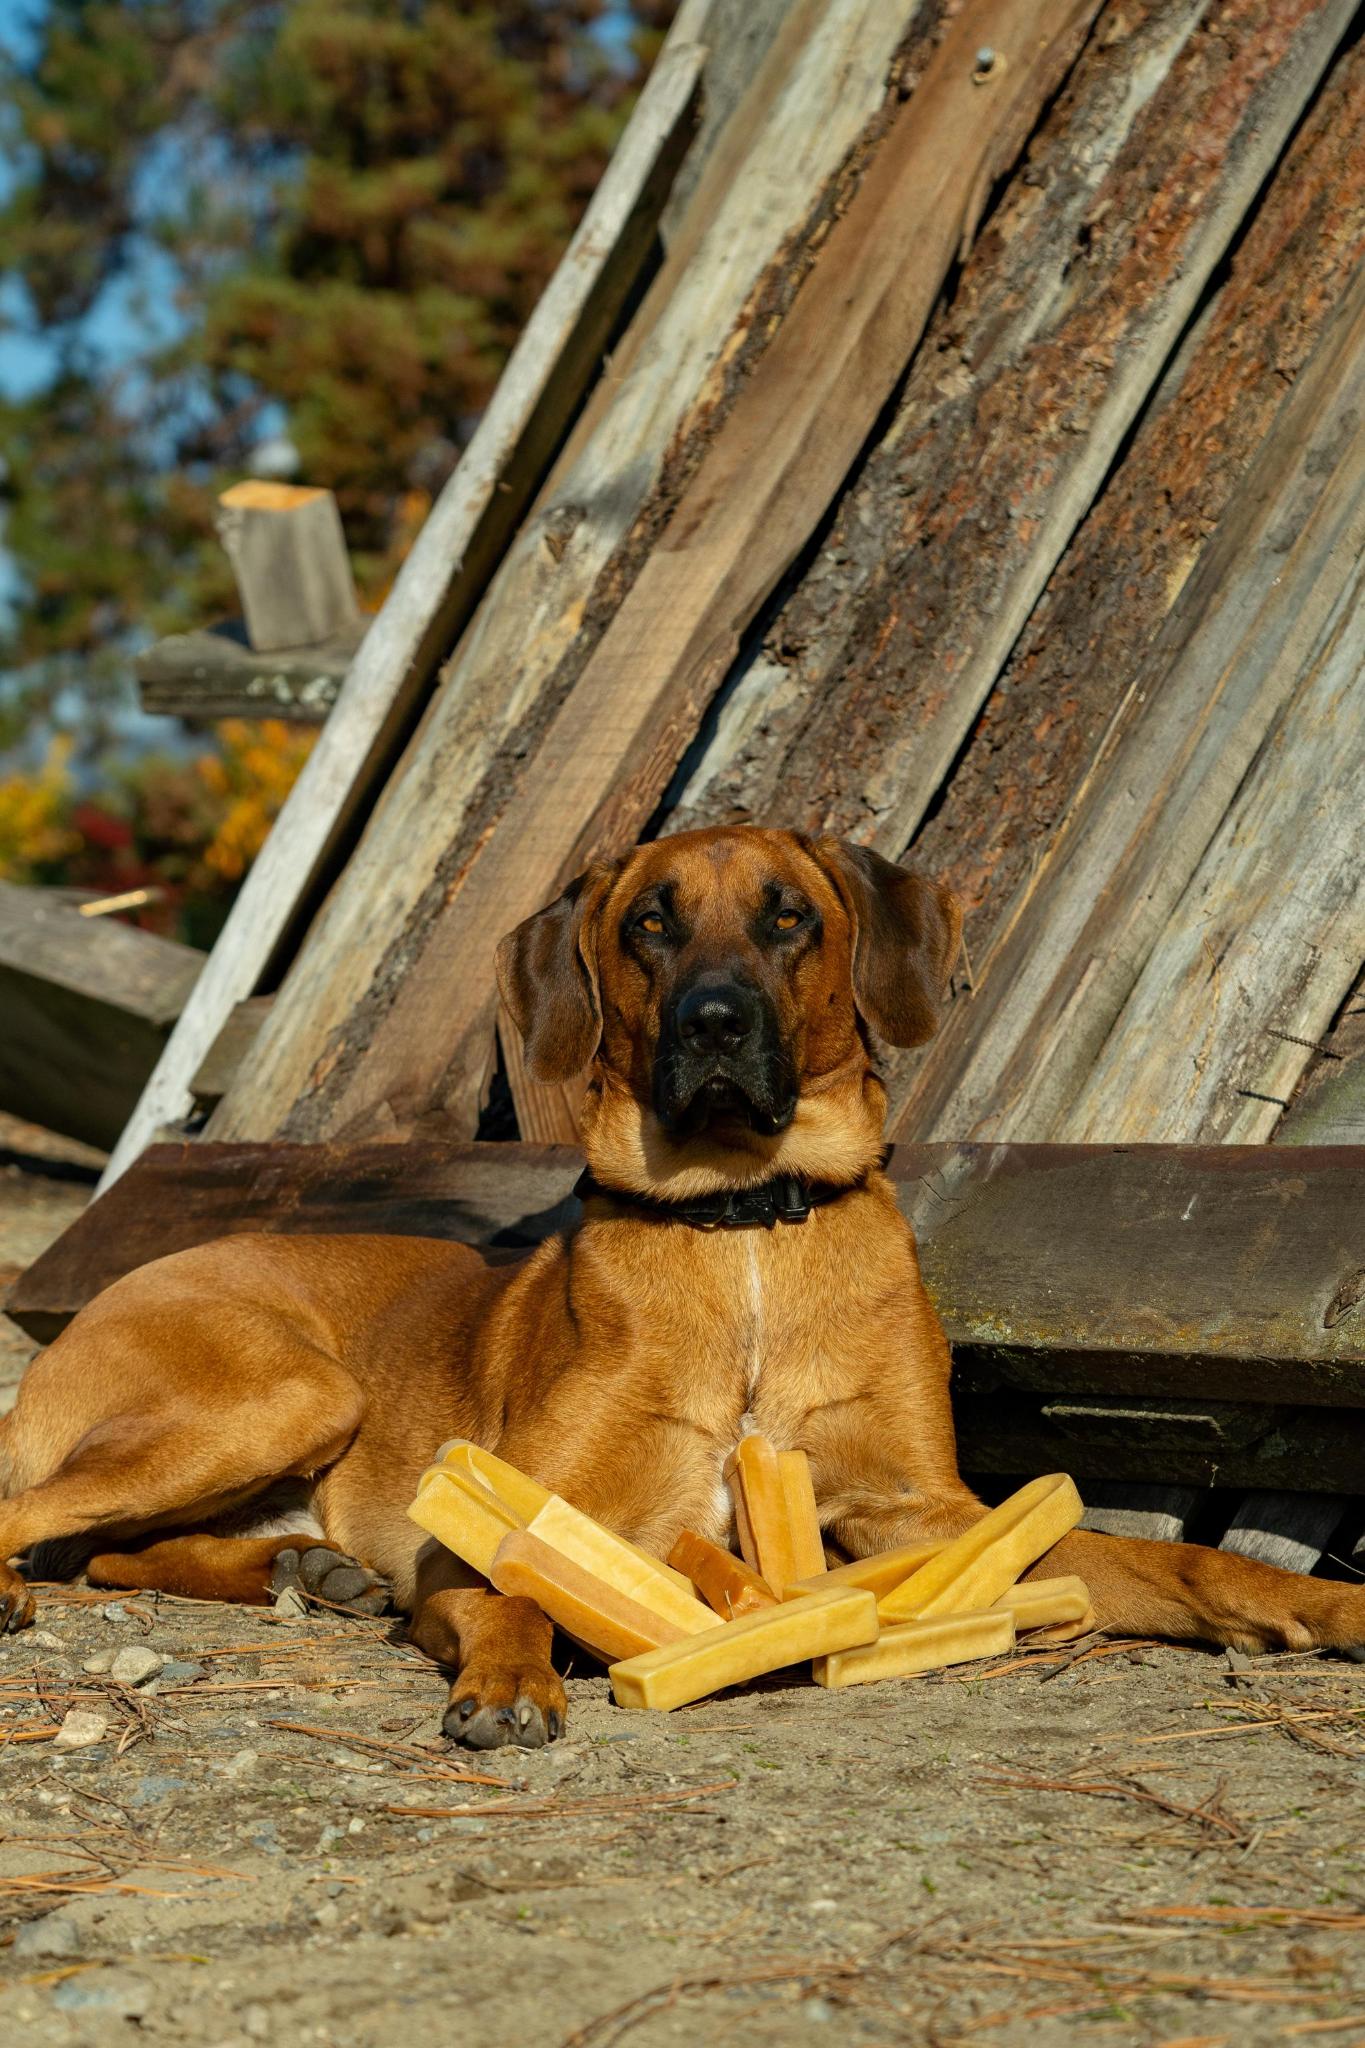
{"type": "Point", "coordinates": [906, 932]}
{"type": "Point", "coordinates": [547, 975]}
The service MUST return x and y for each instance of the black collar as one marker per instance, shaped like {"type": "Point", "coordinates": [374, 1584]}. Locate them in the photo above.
{"type": "Point", "coordinates": [784, 1199]}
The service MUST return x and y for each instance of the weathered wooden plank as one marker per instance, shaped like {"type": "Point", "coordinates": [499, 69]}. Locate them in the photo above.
{"type": "Point", "coordinates": [87, 1005]}
{"type": "Point", "coordinates": [449, 566]}
{"type": "Point", "coordinates": [1291, 1448]}
{"type": "Point", "coordinates": [1159, 1514]}
{"type": "Point", "coordinates": [1261, 609]}
{"type": "Point", "coordinates": [223, 1061]}
{"type": "Point", "coordinates": [177, 1196]}
{"type": "Point", "coordinates": [874, 671]}
{"type": "Point", "coordinates": [215, 674]}
{"type": "Point", "coordinates": [1105, 1274]}
{"type": "Point", "coordinates": [1291, 1530]}
{"type": "Point", "coordinates": [789, 439]}
{"type": "Point", "coordinates": [822, 81]}
{"type": "Point", "coordinates": [1250, 968]}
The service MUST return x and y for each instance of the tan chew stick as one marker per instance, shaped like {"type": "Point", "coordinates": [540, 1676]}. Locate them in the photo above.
{"type": "Point", "coordinates": [803, 1516]}
{"type": "Point", "coordinates": [724, 1581]}
{"type": "Point", "coordinates": [1064, 1631]}
{"type": "Point", "coordinates": [620, 1565]}
{"type": "Point", "coordinates": [910, 1646]}
{"type": "Point", "coordinates": [1047, 1603]}
{"type": "Point", "coordinates": [816, 1626]}
{"type": "Point", "coordinates": [754, 1477]}
{"type": "Point", "coordinates": [977, 1569]}
{"type": "Point", "coordinates": [878, 1574]}
{"type": "Point", "coordinates": [461, 1514]}
{"type": "Point", "coordinates": [608, 1622]}
{"type": "Point", "coordinates": [518, 1491]}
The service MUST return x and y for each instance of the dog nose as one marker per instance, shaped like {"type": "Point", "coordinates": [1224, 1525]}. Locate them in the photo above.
{"type": "Point", "coordinates": [716, 1017]}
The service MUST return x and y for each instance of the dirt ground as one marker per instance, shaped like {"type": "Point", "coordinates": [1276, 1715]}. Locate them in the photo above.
{"type": "Point", "coordinates": [268, 1841]}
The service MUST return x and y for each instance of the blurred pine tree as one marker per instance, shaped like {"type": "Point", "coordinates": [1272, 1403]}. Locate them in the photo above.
{"type": "Point", "coordinates": [237, 219]}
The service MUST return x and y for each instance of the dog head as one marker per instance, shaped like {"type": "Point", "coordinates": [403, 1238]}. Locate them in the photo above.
{"type": "Point", "coordinates": [722, 985]}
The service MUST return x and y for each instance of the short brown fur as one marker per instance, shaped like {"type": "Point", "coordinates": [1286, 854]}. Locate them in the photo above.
{"type": "Point", "coordinates": [618, 1363]}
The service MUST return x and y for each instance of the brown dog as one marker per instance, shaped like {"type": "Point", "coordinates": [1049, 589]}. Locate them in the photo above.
{"type": "Point", "coordinates": [722, 984]}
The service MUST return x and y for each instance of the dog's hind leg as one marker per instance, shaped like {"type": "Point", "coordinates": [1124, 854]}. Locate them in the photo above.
{"type": "Point", "coordinates": [178, 1461]}
{"type": "Point", "coordinates": [247, 1570]}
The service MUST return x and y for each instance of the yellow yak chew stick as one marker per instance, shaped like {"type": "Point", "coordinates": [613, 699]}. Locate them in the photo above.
{"type": "Point", "coordinates": [814, 1627]}
{"type": "Point", "coordinates": [517, 1490]}
{"type": "Point", "coordinates": [1047, 1603]}
{"type": "Point", "coordinates": [910, 1646]}
{"type": "Point", "coordinates": [803, 1516]}
{"type": "Point", "coordinates": [608, 1622]}
{"type": "Point", "coordinates": [463, 1515]}
{"type": "Point", "coordinates": [976, 1570]}
{"type": "Point", "coordinates": [724, 1581]}
{"type": "Point", "coordinates": [754, 1477]}
{"type": "Point", "coordinates": [630, 1571]}
{"type": "Point", "coordinates": [877, 1574]}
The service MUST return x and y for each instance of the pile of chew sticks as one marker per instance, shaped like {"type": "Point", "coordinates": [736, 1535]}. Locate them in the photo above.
{"type": "Point", "coordinates": [673, 1633]}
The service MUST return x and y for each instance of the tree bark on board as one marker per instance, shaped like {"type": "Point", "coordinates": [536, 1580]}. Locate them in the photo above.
{"type": "Point", "coordinates": [774, 164]}
{"type": "Point", "coordinates": [1264, 606]}
{"type": "Point", "coordinates": [1064, 317]}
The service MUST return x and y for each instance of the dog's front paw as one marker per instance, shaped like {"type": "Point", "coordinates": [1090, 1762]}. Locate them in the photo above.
{"type": "Point", "coordinates": [317, 1569]}
{"type": "Point", "coordinates": [493, 1705]}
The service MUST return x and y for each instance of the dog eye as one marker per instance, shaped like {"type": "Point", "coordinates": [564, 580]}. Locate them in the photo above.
{"type": "Point", "coordinates": [787, 920]}
{"type": "Point", "coordinates": [651, 922]}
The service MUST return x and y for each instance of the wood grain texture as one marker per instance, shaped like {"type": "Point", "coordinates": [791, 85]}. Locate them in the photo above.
{"type": "Point", "coordinates": [1062, 322]}
{"type": "Point", "coordinates": [87, 1004]}
{"type": "Point", "coordinates": [782, 452]}
{"type": "Point", "coordinates": [445, 573]}
{"type": "Point", "coordinates": [821, 82]}
{"type": "Point", "coordinates": [1252, 964]}
{"type": "Point", "coordinates": [1260, 611]}
{"type": "Point", "coordinates": [1158, 1514]}
{"type": "Point", "coordinates": [1110, 1275]}
{"type": "Point", "coordinates": [1291, 1530]}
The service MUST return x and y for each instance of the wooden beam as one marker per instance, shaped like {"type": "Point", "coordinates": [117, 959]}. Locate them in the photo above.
{"type": "Point", "coordinates": [1158, 1514]}
{"type": "Point", "coordinates": [1291, 1530]}
{"type": "Point", "coordinates": [1264, 606]}
{"type": "Point", "coordinates": [1102, 1274]}
{"type": "Point", "coordinates": [87, 1004]}
{"type": "Point", "coordinates": [763, 194]}
{"type": "Point", "coordinates": [215, 674]}
{"type": "Point", "coordinates": [288, 555]}
{"type": "Point", "coordinates": [783, 450]}
{"type": "Point", "coordinates": [443, 577]}
{"type": "Point", "coordinates": [1215, 1444]}
{"type": "Point", "coordinates": [875, 669]}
